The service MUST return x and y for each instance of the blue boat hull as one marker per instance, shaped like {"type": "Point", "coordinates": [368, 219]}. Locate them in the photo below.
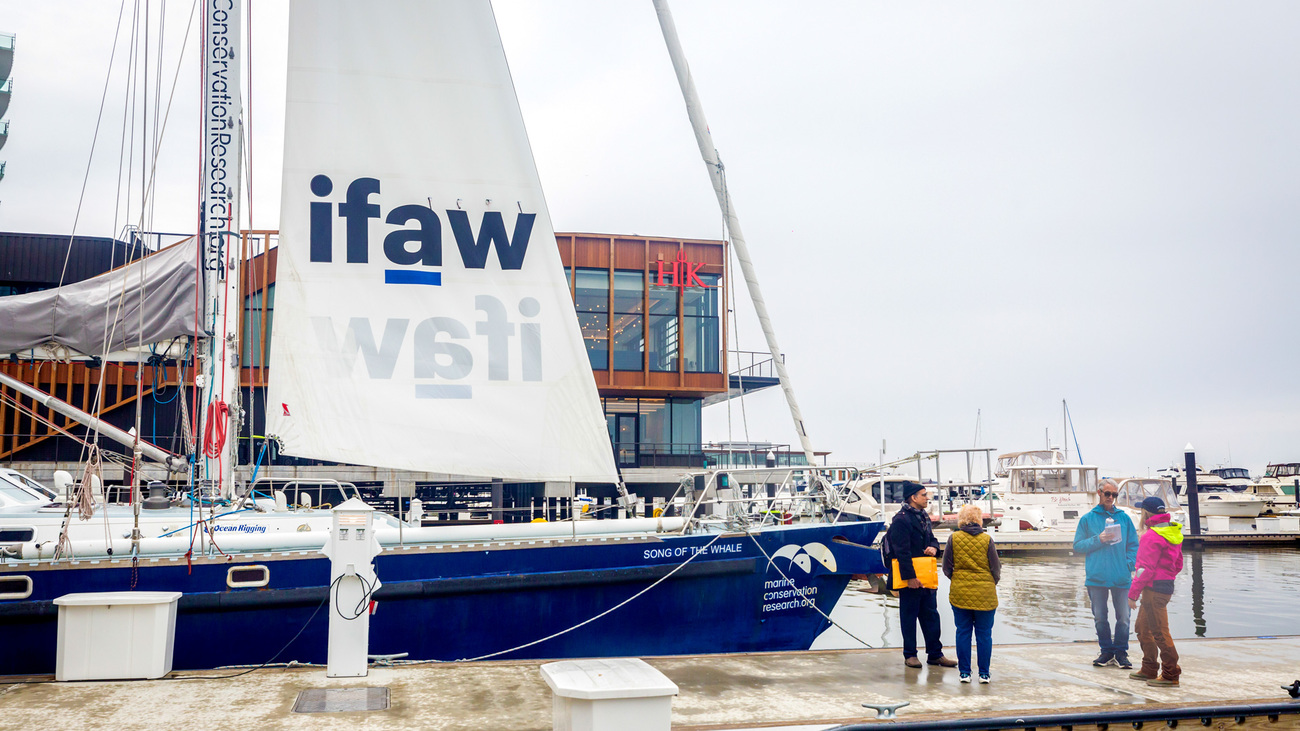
{"type": "Point", "coordinates": [466, 602]}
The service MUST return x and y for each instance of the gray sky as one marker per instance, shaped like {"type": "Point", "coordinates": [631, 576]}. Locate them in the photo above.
{"type": "Point", "coordinates": [951, 206]}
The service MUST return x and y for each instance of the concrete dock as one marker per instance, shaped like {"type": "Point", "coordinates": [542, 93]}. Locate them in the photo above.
{"type": "Point", "coordinates": [805, 690]}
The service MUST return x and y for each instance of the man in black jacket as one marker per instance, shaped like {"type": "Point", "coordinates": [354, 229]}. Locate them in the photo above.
{"type": "Point", "coordinates": [911, 535]}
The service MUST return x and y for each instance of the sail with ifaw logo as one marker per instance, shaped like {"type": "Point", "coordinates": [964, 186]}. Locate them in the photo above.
{"type": "Point", "coordinates": [422, 318]}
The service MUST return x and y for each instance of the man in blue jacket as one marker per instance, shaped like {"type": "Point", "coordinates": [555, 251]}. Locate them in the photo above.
{"type": "Point", "coordinates": [1111, 557]}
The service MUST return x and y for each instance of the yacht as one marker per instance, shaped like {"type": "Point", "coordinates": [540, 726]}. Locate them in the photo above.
{"type": "Point", "coordinates": [1046, 496]}
{"type": "Point", "coordinates": [1236, 478]}
{"type": "Point", "coordinates": [1215, 496]}
{"type": "Point", "coordinates": [1278, 487]}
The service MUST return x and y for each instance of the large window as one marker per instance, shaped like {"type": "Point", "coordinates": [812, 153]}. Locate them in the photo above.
{"type": "Point", "coordinates": [662, 327]}
{"type": "Point", "coordinates": [591, 300]}
{"type": "Point", "coordinates": [654, 431]}
{"type": "Point", "coordinates": [629, 344]}
{"type": "Point", "coordinates": [701, 343]}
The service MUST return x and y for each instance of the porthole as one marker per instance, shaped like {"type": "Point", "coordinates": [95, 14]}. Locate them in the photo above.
{"type": "Point", "coordinates": [247, 577]}
{"type": "Point", "coordinates": [15, 587]}
{"type": "Point", "coordinates": [17, 535]}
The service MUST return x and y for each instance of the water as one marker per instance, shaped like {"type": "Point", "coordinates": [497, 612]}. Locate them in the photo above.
{"type": "Point", "coordinates": [1220, 593]}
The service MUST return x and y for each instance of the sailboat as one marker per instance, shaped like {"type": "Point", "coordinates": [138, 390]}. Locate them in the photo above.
{"type": "Point", "coordinates": [422, 322]}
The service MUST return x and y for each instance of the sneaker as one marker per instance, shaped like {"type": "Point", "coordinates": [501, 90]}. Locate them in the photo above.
{"type": "Point", "coordinates": [965, 677]}
{"type": "Point", "coordinates": [1121, 659]}
{"type": "Point", "coordinates": [912, 662]}
{"type": "Point", "coordinates": [943, 661]}
{"type": "Point", "coordinates": [1163, 683]}
{"type": "Point", "coordinates": [1104, 659]}
{"type": "Point", "coordinates": [1139, 675]}
{"type": "Point", "coordinates": [984, 679]}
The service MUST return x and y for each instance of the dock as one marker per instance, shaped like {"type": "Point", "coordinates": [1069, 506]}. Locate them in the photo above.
{"type": "Point", "coordinates": [1056, 541]}
{"type": "Point", "coordinates": [796, 690]}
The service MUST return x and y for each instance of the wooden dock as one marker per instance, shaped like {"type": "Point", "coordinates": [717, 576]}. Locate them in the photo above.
{"type": "Point", "coordinates": [799, 690]}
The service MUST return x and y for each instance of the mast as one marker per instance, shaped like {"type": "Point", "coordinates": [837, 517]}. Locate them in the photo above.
{"type": "Point", "coordinates": [710, 154]}
{"type": "Point", "coordinates": [220, 411]}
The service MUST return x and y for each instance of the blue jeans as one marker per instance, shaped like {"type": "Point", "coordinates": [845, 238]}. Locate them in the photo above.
{"type": "Point", "coordinates": [920, 605]}
{"type": "Point", "coordinates": [982, 623]}
{"type": "Point", "coordinates": [1118, 596]}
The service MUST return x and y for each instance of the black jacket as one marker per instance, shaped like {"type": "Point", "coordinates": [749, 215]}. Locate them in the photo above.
{"type": "Point", "coordinates": [910, 533]}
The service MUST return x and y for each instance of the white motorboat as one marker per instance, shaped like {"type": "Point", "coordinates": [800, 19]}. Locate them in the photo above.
{"type": "Point", "coordinates": [1046, 496]}
{"type": "Point", "coordinates": [1133, 490]}
{"type": "Point", "coordinates": [1278, 487]}
{"type": "Point", "coordinates": [1216, 497]}
{"type": "Point", "coordinates": [1236, 478]}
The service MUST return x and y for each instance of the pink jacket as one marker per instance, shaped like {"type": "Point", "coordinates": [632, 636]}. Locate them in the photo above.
{"type": "Point", "coordinates": [1160, 553]}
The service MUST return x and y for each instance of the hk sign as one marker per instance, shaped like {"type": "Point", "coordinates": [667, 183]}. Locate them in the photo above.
{"type": "Point", "coordinates": [680, 273]}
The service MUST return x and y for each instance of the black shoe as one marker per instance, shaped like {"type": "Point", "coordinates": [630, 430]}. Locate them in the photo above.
{"type": "Point", "coordinates": [1104, 659]}
{"type": "Point", "coordinates": [1121, 659]}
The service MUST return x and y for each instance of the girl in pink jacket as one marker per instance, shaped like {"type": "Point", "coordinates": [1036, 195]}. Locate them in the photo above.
{"type": "Point", "coordinates": [1159, 559]}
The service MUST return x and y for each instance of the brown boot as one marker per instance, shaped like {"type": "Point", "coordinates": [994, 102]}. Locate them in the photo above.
{"type": "Point", "coordinates": [912, 662]}
{"type": "Point", "coordinates": [943, 661]}
{"type": "Point", "coordinates": [1163, 683]}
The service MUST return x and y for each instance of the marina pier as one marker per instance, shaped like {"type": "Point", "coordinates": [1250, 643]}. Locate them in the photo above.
{"type": "Point", "coordinates": [798, 690]}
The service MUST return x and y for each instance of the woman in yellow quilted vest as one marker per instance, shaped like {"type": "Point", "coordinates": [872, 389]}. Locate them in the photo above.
{"type": "Point", "coordinates": [970, 561]}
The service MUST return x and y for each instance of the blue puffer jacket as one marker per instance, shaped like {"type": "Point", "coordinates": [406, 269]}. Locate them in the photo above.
{"type": "Point", "coordinates": [1107, 564]}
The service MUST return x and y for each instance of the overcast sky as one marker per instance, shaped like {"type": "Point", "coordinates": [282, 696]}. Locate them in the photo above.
{"type": "Point", "coordinates": [952, 207]}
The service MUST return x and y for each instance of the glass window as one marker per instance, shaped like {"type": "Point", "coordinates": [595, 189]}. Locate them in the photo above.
{"type": "Point", "coordinates": [662, 327]}
{"type": "Point", "coordinates": [656, 424]}
{"type": "Point", "coordinates": [686, 425]}
{"type": "Point", "coordinates": [701, 337]}
{"type": "Point", "coordinates": [595, 333]}
{"type": "Point", "coordinates": [702, 301]}
{"type": "Point", "coordinates": [591, 290]}
{"type": "Point", "coordinates": [591, 300]}
{"type": "Point", "coordinates": [629, 341]}
{"type": "Point", "coordinates": [628, 292]}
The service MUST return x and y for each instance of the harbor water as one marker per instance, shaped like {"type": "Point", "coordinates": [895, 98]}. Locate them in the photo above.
{"type": "Point", "coordinates": [1246, 592]}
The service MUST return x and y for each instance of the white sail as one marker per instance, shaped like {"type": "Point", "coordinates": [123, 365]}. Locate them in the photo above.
{"type": "Point", "coordinates": [422, 318]}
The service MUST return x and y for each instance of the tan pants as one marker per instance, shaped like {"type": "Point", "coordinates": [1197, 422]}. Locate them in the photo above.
{"type": "Point", "coordinates": [1152, 627]}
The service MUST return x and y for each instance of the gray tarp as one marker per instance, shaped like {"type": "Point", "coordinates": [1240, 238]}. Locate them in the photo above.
{"type": "Point", "coordinates": [80, 316]}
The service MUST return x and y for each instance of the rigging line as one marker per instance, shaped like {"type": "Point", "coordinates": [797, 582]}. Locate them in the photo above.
{"type": "Point", "coordinates": [108, 75]}
{"type": "Point", "coordinates": [583, 623]}
{"type": "Point", "coordinates": [1075, 434]}
{"type": "Point", "coordinates": [807, 602]}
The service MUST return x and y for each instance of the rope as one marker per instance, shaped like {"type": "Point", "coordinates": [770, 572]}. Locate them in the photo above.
{"type": "Point", "coordinates": [806, 600]}
{"type": "Point", "coordinates": [583, 623]}
{"type": "Point", "coordinates": [214, 434]}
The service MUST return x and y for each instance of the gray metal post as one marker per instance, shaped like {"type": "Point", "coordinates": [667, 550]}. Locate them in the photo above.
{"type": "Point", "coordinates": [1193, 502]}
{"type": "Point", "coordinates": [498, 499]}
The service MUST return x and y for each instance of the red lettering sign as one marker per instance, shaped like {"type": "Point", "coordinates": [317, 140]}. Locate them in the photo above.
{"type": "Point", "coordinates": [684, 273]}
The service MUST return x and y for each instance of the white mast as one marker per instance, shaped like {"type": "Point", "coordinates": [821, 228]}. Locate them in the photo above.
{"type": "Point", "coordinates": [222, 142]}
{"type": "Point", "coordinates": [705, 140]}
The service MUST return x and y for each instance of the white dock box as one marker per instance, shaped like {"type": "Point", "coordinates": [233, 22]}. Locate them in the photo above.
{"type": "Point", "coordinates": [116, 635]}
{"type": "Point", "coordinates": [1218, 524]}
{"type": "Point", "coordinates": [614, 694]}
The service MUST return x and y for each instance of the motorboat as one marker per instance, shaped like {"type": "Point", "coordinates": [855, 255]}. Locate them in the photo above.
{"type": "Point", "coordinates": [1215, 496]}
{"type": "Point", "coordinates": [1133, 490]}
{"type": "Point", "coordinates": [1278, 487]}
{"type": "Point", "coordinates": [1046, 496]}
{"type": "Point", "coordinates": [1236, 478]}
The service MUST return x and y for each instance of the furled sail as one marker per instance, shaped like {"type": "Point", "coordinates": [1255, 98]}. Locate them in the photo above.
{"type": "Point", "coordinates": [150, 300]}
{"type": "Point", "coordinates": [422, 317]}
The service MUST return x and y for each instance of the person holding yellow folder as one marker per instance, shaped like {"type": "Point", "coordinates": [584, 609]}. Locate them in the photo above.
{"type": "Point", "coordinates": [911, 544]}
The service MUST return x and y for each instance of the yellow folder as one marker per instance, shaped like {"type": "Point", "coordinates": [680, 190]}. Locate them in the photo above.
{"type": "Point", "coordinates": [927, 572]}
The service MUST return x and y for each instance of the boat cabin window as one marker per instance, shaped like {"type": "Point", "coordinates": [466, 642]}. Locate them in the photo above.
{"type": "Point", "coordinates": [1053, 480]}
{"type": "Point", "coordinates": [248, 577]}
{"type": "Point", "coordinates": [30, 485]}
{"type": "Point", "coordinates": [17, 534]}
{"type": "Point", "coordinates": [893, 491]}
{"type": "Point", "coordinates": [1131, 492]}
{"type": "Point", "coordinates": [1282, 470]}
{"type": "Point", "coordinates": [15, 587]}
{"type": "Point", "coordinates": [11, 494]}
{"type": "Point", "coordinates": [1232, 473]}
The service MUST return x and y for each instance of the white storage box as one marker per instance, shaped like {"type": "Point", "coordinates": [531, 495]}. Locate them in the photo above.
{"type": "Point", "coordinates": [1268, 525]}
{"type": "Point", "coordinates": [116, 635]}
{"type": "Point", "coordinates": [1218, 524]}
{"type": "Point", "coordinates": [1288, 523]}
{"type": "Point", "coordinates": [615, 694]}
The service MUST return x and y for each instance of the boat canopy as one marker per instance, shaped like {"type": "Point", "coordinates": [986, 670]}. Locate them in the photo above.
{"type": "Point", "coordinates": [1031, 479]}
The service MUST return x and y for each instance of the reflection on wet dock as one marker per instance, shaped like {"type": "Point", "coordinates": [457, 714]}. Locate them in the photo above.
{"type": "Point", "coordinates": [816, 690]}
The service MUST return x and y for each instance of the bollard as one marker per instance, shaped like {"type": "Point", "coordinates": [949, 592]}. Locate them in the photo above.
{"type": "Point", "coordinates": [351, 548]}
{"type": "Point", "coordinates": [1193, 502]}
